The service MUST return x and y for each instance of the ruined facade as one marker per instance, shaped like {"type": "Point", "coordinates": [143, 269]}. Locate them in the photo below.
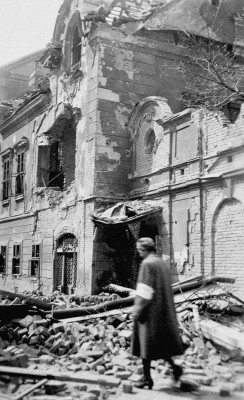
{"type": "Point", "coordinates": [108, 126]}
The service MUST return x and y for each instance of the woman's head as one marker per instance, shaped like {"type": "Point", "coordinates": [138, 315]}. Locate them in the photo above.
{"type": "Point", "coordinates": [145, 245]}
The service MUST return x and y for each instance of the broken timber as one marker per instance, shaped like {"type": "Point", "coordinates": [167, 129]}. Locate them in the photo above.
{"type": "Point", "coordinates": [25, 392]}
{"type": "Point", "coordinates": [228, 338]}
{"type": "Point", "coordinates": [27, 300]}
{"type": "Point", "coordinates": [79, 377]}
{"type": "Point", "coordinates": [129, 301]}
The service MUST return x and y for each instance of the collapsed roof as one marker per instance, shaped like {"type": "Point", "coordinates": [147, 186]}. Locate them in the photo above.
{"type": "Point", "coordinates": [126, 213]}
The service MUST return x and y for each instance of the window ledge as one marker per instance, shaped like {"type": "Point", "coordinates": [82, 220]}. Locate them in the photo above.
{"type": "Point", "coordinates": [5, 203]}
{"type": "Point", "coordinates": [19, 197]}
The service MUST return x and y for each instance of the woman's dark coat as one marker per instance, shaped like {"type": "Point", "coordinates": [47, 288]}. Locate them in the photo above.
{"type": "Point", "coordinates": [156, 333]}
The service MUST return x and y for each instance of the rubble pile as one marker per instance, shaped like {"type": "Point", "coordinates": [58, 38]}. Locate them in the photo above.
{"type": "Point", "coordinates": [101, 346]}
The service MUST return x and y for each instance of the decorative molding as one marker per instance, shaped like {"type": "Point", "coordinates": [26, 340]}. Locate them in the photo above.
{"type": "Point", "coordinates": [23, 144]}
{"type": "Point", "coordinates": [7, 153]}
{"type": "Point", "coordinates": [25, 114]}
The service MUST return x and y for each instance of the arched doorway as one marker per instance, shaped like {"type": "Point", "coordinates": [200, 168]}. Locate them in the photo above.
{"type": "Point", "coordinates": [228, 243]}
{"type": "Point", "coordinates": [66, 264]}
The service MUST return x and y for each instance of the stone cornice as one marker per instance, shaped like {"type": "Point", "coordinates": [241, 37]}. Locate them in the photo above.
{"type": "Point", "coordinates": [25, 114]}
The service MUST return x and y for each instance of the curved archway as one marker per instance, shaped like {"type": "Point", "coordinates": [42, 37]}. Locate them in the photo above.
{"type": "Point", "coordinates": [228, 242]}
{"type": "Point", "coordinates": [65, 270]}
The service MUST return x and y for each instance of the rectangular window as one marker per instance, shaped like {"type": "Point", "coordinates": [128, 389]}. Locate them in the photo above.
{"type": "Point", "coordinates": [19, 188]}
{"type": "Point", "coordinates": [3, 259]}
{"type": "Point", "coordinates": [6, 179]}
{"type": "Point", "coordinates": [16, 260]}
{"type": "Point", "coordinates": [34, 264]}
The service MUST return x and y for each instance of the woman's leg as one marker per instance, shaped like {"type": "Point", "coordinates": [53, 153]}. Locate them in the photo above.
{"type": "Point", "coordinates": [147, 380]}
{"type": "Point", "coordinates": [177, 369]}
{"type": "Point", "coordinates": [147, 368]}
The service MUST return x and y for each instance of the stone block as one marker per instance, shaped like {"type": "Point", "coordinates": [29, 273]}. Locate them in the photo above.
{"type": "Point", "coordinates": [26, 322]}
{"type": "Point", "coordinates": [123, 375]}
{"type": "Point", "coordinates": [226, 389]}
{"type": "Point", "coordinates": [46, 359]}
{"type": "Point", "coordinates": [74, 367]}
{"type": "Point", "coordinates": [56, 345]}
{"type": "Point", "coordinates": [188, 385]}
{"type": "Point", "coordinates": [125, 333]}
{"type": "Point", "coordinates": [53, 387]}
{"type": "Point", "coordinates": [100, 369]}
{"type": "Point", "coordinates": [127, 387]}
{"type": "Point", "coordinates": [58, 327]}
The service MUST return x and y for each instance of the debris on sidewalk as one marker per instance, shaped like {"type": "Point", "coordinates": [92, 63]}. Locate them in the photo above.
{"type": "Point", "coordinates": [95, 348]}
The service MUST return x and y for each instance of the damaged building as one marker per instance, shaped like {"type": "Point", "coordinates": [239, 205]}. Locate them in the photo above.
{"type": "Point", "coordinates": [101, 150]}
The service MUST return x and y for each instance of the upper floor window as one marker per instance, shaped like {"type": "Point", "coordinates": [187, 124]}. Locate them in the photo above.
{"type": "Point", "coordinates": [16, 259]}
{"type": "Point", "coordinates": [76, 47]}
{"type": "Point", "coordinates": [19, 187]}
{"type": "Point", "coordinates": [6, 179]}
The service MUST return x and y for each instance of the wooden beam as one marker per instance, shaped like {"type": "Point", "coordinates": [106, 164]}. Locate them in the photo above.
{"type": "Point", "coordinates": [80, 377]}
{"type": "Point", "coordinates": [30, 389]}
{"type": "Point", "coordinates": [229, 338]}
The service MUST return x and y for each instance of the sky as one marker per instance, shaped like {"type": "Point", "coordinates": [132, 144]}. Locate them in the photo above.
{"type": "Point", "coordinates": [26, 26]}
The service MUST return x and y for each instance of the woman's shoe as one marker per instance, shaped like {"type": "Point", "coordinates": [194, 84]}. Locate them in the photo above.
{"type": "Point", "coordinates": [146, 382]}
{"type": "Point", "coordinates": [177, 372]}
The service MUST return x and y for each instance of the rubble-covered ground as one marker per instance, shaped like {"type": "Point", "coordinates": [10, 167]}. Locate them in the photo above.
{"type": "Point", "coordinates": [101, 346]}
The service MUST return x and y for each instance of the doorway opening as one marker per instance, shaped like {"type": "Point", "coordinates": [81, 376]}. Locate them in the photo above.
{"type": "Point", "coordinates": [65, 272]}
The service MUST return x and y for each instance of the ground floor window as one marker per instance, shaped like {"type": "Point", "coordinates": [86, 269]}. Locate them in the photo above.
{"type": "Point", "coordinates": [16, 259]}
{"type": "Point", "coordinates": [34, 264]}
{"type": "Point", "coordinates": [3, 260]}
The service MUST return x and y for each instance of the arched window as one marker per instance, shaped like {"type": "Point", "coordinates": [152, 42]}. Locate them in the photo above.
{"type": "Point", "coordinates": [76, 47]}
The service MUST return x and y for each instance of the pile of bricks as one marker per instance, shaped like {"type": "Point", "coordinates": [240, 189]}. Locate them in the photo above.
{"type": "Point", "coordinates": [102, 346]}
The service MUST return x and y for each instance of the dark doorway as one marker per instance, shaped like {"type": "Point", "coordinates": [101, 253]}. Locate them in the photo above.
{"type": "Point", "coordinates": [65, 275]}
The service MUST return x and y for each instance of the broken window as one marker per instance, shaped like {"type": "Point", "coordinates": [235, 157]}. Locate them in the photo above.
{"type": "Point", "coordinates": [34, 264]}
{"type": "Point", "coordinates": [6, 179]}
{"type": "Point", "coordinates": [56, 176]}
{"type": "Point", "coordinates": [19, 185]}
{"type": "Point", "coordinates": [16, 259]}
{"type": "Point", "coordinates": [76, 47]}
{"type": "Point", "coordinates": [49, 171]}
{"type": "Point", "coordinates": [3, 259]}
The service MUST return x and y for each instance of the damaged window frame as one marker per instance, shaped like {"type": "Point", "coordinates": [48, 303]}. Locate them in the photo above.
{"type": "Point", "coordinates": [76, 47]}
{"type": "Point", "coordinates": [35, 261]}
{"type": "Point", "coordinates": [44, 157]}
{"type": "Point", "coordinates": [16, 259]}
{"type": "Point", "coordinates": [20, 170]}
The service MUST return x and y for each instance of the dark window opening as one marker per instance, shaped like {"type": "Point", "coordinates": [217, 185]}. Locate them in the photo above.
{"type": "Point", "coordinates": [232, 111]}
{"type": "Point", "coordinates": [229, 159]}
{"type": "Point", "coordinates": [16, 260]}
{"type": "Point", "coordinates": [56, 175]}
{"type": "Point", "coordinates": [76, 47]}
{"type": "Point", "coordinates": [182, 171]}
{"type": "Point", "coordinates": [3, 259]}
{"type": "Point", "coordinates": [149, 142]}
{"type": "Point", "coordinates": [34, 265]}
{"type": "Point", "coordinates": [6, 179]}
{"type": "Point", "coordinates": [19, 188]}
